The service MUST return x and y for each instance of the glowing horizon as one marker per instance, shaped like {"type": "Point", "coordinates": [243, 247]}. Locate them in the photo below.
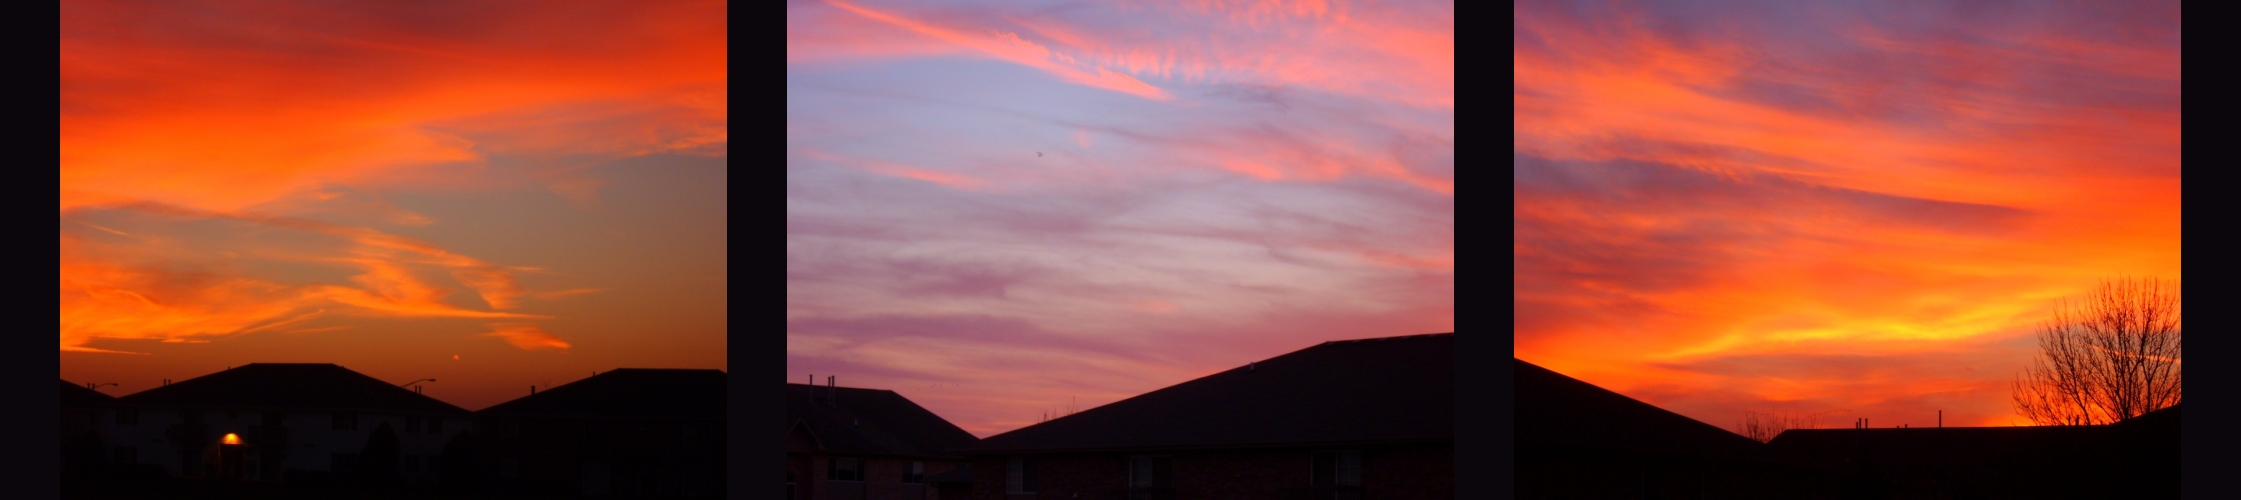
{"type": "Point", "coordinates": [1809, 207]}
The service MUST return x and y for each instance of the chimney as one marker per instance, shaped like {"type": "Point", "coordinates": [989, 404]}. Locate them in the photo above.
{"type": "Point", "coordinates": [1941, 419]}
{"type": "Point", "coordinates": [532, 390]}
{"type": "Point", "coordinates": [832, 393]}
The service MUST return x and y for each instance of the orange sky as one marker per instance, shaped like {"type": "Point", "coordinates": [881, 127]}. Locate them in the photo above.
{"type": "Point", "coordinates": [1831, 207]}
{"type": "Point", "coordinates": [532, 187]}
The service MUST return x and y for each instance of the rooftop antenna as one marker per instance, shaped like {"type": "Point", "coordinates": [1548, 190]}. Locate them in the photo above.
{"type": "Point", "coordinates": [1941, 419]}
{"type": "Point", "coordinates": [832, 392]}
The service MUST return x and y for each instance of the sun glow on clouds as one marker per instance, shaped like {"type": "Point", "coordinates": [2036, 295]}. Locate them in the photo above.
{"type": "Point", "coordinates": [1817, 207]}
{"type": "Point", "coordinates": [994, 210]}
{"type": "Point", "coordinates": [220, 163]}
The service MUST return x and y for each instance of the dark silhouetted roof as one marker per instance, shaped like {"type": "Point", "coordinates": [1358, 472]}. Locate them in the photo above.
{"type": "Point", "coordinates": [2136, 458]}
{"type": "Point", "coordinates": [78, 396]}
{"type": "Point", "coordinates": [1932, 444]}
{"type": "Point", "coordinates": [871, 422]}
{"type": "Point", "coordinates": [1393, 389]}
{"type": "Point", "coordinates": [1969, 445]}
{"type": "Point", "coordinates": [636, 393]}
{"type": "Point", "coordinates": [273, 386]}
{"type": "Point", "coordinates": [1554, 409]}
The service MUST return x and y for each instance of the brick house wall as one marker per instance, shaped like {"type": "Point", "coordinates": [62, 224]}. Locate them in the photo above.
{"type": "Point", "coordinates": [1388, 472]}
{"type": "Point", "coordinates": [883, 479]}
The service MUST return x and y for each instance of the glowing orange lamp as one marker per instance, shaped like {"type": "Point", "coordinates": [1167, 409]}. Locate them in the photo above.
{"type": "Point", "coordinates": [232, 439]}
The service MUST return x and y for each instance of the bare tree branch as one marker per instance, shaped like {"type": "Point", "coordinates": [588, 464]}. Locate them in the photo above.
{"type": "Point", "coordinates": [2111, 356]}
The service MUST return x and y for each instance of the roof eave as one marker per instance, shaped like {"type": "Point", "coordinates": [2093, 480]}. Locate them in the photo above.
{"type": "Point", "coordinates": [1214, 447]}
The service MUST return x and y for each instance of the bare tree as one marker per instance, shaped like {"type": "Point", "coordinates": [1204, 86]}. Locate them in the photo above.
{"type": "Point", "coordinates": [1071, 409]}
{"type": "Point", "coordinates": [1765, 426]}
{"type": "Point", "coordinates": [2112, 356]}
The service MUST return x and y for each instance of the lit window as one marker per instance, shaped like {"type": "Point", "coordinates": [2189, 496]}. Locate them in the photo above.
{"type": "Point", "coordinates": [1338, 468]}
{"type": "Point", "coordinates": [1020, 479]}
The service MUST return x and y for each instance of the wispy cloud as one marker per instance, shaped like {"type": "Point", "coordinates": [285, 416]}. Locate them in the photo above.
{"type": "Point", "coordinates": [1715, 207]}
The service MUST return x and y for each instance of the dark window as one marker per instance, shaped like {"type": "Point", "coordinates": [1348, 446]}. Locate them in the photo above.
{"type": "Point", "coordinates": [847, 469]}
{"type": "Point", "coordinates": [917, 474]}
{"type": "Point", "coordinates": [435, 426]}
{"type": "Point", "coordinates": [509, 427]}
{"type": "Point", "coordinates": [342, 462]}
{"type": "Point", "coordinates": [1021, 477]}
{"type": "Point", "coordinates": [1338, 468]}
{"type": "Point", "coordinates": [509, 468]}
{"type": "Point", "coordinates": [1149, 472]}
{"type": "Point", "coordinates": [128, 417]}
{"type": "Point", "coordinates": [127, 455]}
{"type": "Point", "coordinates": [346, 421]}
{"type": "Point", "coordinates": [412, 464]}
{"type": "Point", "coordinates": [412, 424]}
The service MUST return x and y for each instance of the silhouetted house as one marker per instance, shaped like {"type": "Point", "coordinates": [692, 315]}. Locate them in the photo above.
{"type": "Point", "coordinates": [83, 444]}
{"type": "Point", "coordinates": [1353, 419]}
{"type": "Point", "coordinates": [2136, 458]}
{"type": "Point", "coordinates": [630, 433]}
{"type": "Point", "coordinates": [261, 421]}
{"type": "Point", "coordinates": [1577, 440]}
{"type": "Point", "coordinates": [849, 443]}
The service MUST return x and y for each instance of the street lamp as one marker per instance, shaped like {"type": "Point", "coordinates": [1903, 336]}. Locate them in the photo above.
{"type": "Point", "coordinates": [416, 389]}
{"type": "Point", "coordinates": [94, 386]}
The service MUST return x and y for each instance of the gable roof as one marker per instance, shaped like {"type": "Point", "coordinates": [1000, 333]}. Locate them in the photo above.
{"type": "Point", "coordinates": [639, 393]}
{"type": "Point", "coordinates": [1559, 410]}
{"type": "Point", "coordinates": [277, 386]}
{"type": "Point", "coordinates": [78, 396]}
{"type": "Point", "coordinates": [1392, 389]}
{"type": "Point", "coordinates": [870, 422]}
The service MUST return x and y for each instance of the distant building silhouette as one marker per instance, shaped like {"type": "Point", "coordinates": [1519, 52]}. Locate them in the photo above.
{"type": "Point", "coordinates": [629, 433]}
{"type": "Point", "coordinates": [285, 419]}
{"type": "Point", "coordinates": [1370, 418]}
{"type": "Point", "coordinates": [2136, 458]}
{"type": "Point", "coordinates": [1576, 440]}
{"type": "Point", "coordinates": [851, 443]}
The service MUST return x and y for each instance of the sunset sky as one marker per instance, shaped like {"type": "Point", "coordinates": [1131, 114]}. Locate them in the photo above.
{"type": "Point", "coordinates": [492, 194]}
{"type": "Point", "coordinates": [1001, 208]}
{"type": "Point", "coordinates": [1859, 208]}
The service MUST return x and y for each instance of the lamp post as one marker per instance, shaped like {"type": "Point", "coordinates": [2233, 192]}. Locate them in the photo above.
{"type": "Point", "coordinates": [416, 389]}
{"type": "Point", "coordinates": [94, 386]}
